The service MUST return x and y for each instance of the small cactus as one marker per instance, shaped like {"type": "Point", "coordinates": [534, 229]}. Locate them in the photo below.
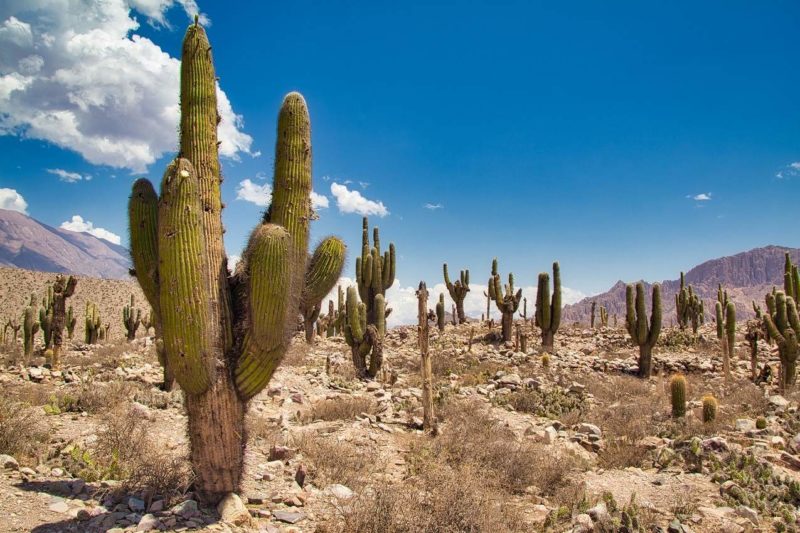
{"type": "Point", "coordinates": [59, 292]}
{"type": "Point", "coordinates": [726, 332]}
{"type": "Point", "coordinates": [783, 324]}
{"type": "Point", "coordinates": [92, 324]}
{"type": "Point", "coordinates": [458, 291]}
{"type": "Point", "coordinates": [365, 339]}
{"type": "Point", "coordinates": [754, 331]}
{"type": "Point", "coordinates": [548, 310]}
{"type": "Point", "coordinates": [761, 423]}
{"type": "Point", "coordinates": [791, 279]}
{"type": "Point", "coordinates": [603, 317]}
{"type": "Point", "coordinates": [710, 406]}
{"type": "Point", "coordinates": [545, 360]}
{"type": "Point", "coordinates": [375, 272]}
{"type": "Point", "coordinates": [643, 334]}
{"type": "Point", "coordinates": [677, 388]}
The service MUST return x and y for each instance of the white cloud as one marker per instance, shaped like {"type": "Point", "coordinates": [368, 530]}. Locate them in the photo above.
{"type": "Point", "coordinates": [79, 225]}
{"type": "Point", "coordinates": [69, 177]}
{"type": "Point", "coordinates": [13, 201]}
{"type": "Point", "coordinates": [353, 202]}
{"type": "Point", "coordinates": [75, 73]}
{"type": "Point", "coordinates": [433, 207]}
{"type": "Point", "coordinates": [233, 260]}
{"type": "Point", "coordinates": [403, 300]}
{"type": "Point", "coordinates": [261, 195]}
{"type": "Point", "coordinates": [795, 165]}
{"type": "Point", "coordinates": [702, 197]}
{"type": "Point", "coordinates": [789, 171]}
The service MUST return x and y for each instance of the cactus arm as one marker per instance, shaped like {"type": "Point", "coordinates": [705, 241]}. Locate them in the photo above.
{"type": "Point", "coordinates": [323, 270]}
{"type": "Point", "coordinates": [447, 281]}
{"type": "Point", "coordinates": [267, 271]}
{"type": "Point", "coordinates": [655, 317]}
{"type": "Point", "coordinates": [389, 271]}
{"type": "Point", "coordinates": [773, 330]}
{"type": "Point", "coordinates": [143, 223]}
{"type": "Point", "coordinates": [354, 320]}
{"type": "Point", "coordinates": [186, 311]}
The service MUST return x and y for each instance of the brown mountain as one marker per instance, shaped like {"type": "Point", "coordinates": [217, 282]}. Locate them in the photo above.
{"type": "Point", "coordinates": [747, 276]}
{"type": "Point", "coordinates": [28, 243]}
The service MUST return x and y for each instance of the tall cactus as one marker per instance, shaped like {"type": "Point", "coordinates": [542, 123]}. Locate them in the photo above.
{"type": "Point", "coordinates": [61, 290]}
{"type": "Point", "coordinates": [603, 317]}
{"type": "Point", "coordinates": [440, 319]}
{"type": "Point", "coordinates": [46, 317]}
{"type": "Point", "coordinates": [682, 301]}
{"type": "Point", "coordinates": [29, 328]}
{"type": "Point", "coordinates": [322, 273]}
{"type": "Point", "coordinates": [783, 325]}
{"type": "Point", "coordinates": [791, 279]}
{"type": "Point", "coordinates": [223, 336]}
{"type": "Point", "coordinates": [131, 318]}
{"type": "Point", "coordinates": [92, 324]}
{"type": "Point", "coordinates": [506, 300]}
{"type": "Point", "coordinates": [548, 310]}
{"type": "Point", "coordinates": [643, 334]}
{"type": "Point", "coordinates": [71, 321]}
{"type": "Point", "coordinates": [592, 314]}
{"type": "Point", "coordinates": [458, 291]}
{"type": "Point", "coordinates": [726, 332]}
{"type": "Point", "coordinates": [365, 339]}
{"type": "Point", "coordinates": [374, 271]}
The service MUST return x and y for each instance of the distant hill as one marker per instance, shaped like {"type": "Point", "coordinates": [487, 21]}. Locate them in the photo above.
{"type": "Point", "coordinates": [30, 244]}
{"type": "Point", "coordinates": [747, 276]}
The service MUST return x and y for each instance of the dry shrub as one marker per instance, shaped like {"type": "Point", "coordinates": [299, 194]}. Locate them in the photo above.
{"type": "Point", "coordinates": [439, 500]}
{"type": "Point", "coordinates": [23, 432]}
{"type": "Point", "coordinates": [108, 356]}
{"type": "Point", "coordinates": [343, 408]}
{"type": "Point", "coordinates": [555, 403]}
{"type": "Point", "coordinates": [126, 449]}
{"type": "Point", "coordinates": [334, 461]}
{"type": "Point", "coordinates": [263, 430]}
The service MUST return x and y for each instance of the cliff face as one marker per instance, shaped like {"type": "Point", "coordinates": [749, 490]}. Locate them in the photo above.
{"type": "Point", "coordinates": [747, 276]}
{"type": "Point", "coordinates": [27, 243]}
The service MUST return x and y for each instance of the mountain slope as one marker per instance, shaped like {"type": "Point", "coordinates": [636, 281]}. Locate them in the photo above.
{"type": "Point", "coordinates": [28, 243]}
{"type": "Point", "coordinates": [747, 276]}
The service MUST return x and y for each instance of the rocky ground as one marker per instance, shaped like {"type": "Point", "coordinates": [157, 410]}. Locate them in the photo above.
{"type": "Point", "coordinates": [569, 442]}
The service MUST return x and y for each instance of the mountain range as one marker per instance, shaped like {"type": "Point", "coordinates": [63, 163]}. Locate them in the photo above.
{"type": "Point", "coordinates": [30, 244]}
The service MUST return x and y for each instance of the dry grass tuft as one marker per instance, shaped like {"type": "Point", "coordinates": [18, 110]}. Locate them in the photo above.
{"type": "Point", "coordinates": [342, 408]}
{"type": "Point", "coordinates": [23, 432]}
{"type": "Point", "coordinates": [337, 461]}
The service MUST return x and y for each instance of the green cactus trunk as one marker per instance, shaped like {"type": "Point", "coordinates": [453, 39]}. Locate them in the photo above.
{"type": "Point", "coordinates": [591, 316]}
{"type": "Point", "coordinates": [440, 318]}
{"type": "Point", "coordinates": [783, 325]}
{"type": "Point", "coordinates": [677, 386]}
{"type": "Point", "coordinates": [365, 340]}
{"type": "Point", "coordinates": [29, 328]}
{"type": "Point", "coordinates": [375, 272]}
{"type": "Point", "coordinates": [506, 300]}
{"type": "Point", "coordinates": [643, 334]}
{"type": "Point", "coordinates": [222, 337]}
{"type": "Point", "coordinates": [548, 310]}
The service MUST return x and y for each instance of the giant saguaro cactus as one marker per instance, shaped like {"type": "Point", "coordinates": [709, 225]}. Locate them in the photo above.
{"type": "Point", "coordinates": [643, 334]}
{"type": "Point", "coordinates": [131, 319]}
{"type": "Point", "coordinates": [506, 300]}
{"type": "Point", "coordinates": [458, 291]}
{"type": "Point", "coordinates": [374, 272]}
{"type": "Point", "coordinates": [61, 290]}
{"type": "Point", "coordinates": [783, 325]}
{"type": "Point", "coordinates": [365, 339]}
{"type": "Point", "coordinates": [223, 337]}
{"type": "Point", "coordinates": [324, 269]}
{"type": "Point", "coordinates": [548, 310]}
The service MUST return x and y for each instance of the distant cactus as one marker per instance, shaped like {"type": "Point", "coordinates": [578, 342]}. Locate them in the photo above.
{"type": "Point", "coordinates": [375, 272]}
{"type": "Point", "coordinates": [754, 331]}
{"type": "Point", "coordinates": [92, 324]}
{"type": "Point", "coordinates": [330, 322]}
{"type": "Point", "coordinates": [13, 325]}
{"type": "Point", "coordinates": [365, 339]}
{"type": "Point", "coordinates": [548, 310]}
{"type": "Point", "coordinates": [60, 291]}
{"type": "Point", "coordinates": [440, 318]}
{"type": "Point", "coordinates": [453, 317]}
{"type": "Point", "coordinates": [488, 302]}
{"type": "Point", "coordinates": [310, 317]}
{"type": "Point", "coordinates": [682, 304]}
{"type": "Point", "coordinates": [726, 332]}
{"type": "Point", "coordinates": [428, 418]}
{"type": "Point", "coordinates": [722, 298]}
{"type": "Point", "coordinates": [29, 329]}
{"type": "Point", "coordinates": [677, 388]}
{"type": "Point", "coordinates": [506, 300]}
{"type": "Point", "coordinates": [591, 315]}
{"type": "Point", "coordinates": [71, 321]}
{"type": "Point", "coordinates": [147, 322]}
{"type": "Point", "coordinates": [791, 279]}
{"type": "Point", "coordinates": [603, 317]}
{"type": "Point", "coordinates": [458, 291]}
{"type": "Point", "coordinates": [783, 326]}
{"type": "Point", "coordinates": [131, 319]}
{"type": "Point", "coordinates": [643, 334]}
{"type": "Point", "coordinates": [710, 406]}
{"type": "Point", "coordinates": [46, 318]}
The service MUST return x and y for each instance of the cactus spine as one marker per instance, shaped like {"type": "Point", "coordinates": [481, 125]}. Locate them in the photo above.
{"type": "Point", "coordinates": [458, 291]}
{"type": "Point", "coordinates": [374, 272]}
{"type": "Point", "coordinates": [506, 300]}
{"type": "Point", "coordinates": [677, 387]}
{"type": "Point", "coordinates": [643, 334]}
{"type": "Point", "coordinates": [131, 318]}
{"type": "Point", "coordinates": [440, 318]}
{"type": "Point", "coordinates": [783, 325]}
{"type": "Point", "coordinates": [223, 337]}
{"type": "Point", "coordinates": [548, 310]}
{"type": "Point", "coordinates": [365, 339]}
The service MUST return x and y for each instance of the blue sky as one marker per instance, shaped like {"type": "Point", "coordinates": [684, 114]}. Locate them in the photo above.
{"type": "Point", "coordinates": [576, 131]}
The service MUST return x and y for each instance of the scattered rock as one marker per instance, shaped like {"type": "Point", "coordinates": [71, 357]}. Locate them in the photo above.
{"type": "Point", "coordinates": [232, 510]}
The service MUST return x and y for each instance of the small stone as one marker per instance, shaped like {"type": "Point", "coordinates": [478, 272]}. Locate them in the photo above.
{"type": "Point", "coordinates": [339, 491]}
{"type": "Point", "coordinates": [256, 498]}
{"type": "Point", "coordinates": [148, 522]}
{"type": "Point", "coordinates": [232, 510]}
{"type": "Point", "coordinates": [599, 512]}
{"type": "Point", "coordinates": [748, 513]}
{"type": "Point", "coordinates": [157, 506]}
{"type": "Point", "coordinates": [136, 505]}
{"type": "Point", "coordinates": [745, 424]}
{"type": "Point", "coordinates": [510, 381]}
{"type": "Point", "coordinates": [589, 429]}
{"type": "Point", "coordinates": [288, 516]}
{"type": "Point", "coordinates": [582, 524]}
{"type": "Point", "coordinates": [778, 401]}
{"type": "Point", "coordinates": [372, 386]}
{"type": "Point", "coordinates": [186, 509]}
{"type": "Point", "coordinates": [280, 453]}
{"type": "Point", "coordinates": [59, 507]}
{"type": "Point", "coordinates": [8, 462]}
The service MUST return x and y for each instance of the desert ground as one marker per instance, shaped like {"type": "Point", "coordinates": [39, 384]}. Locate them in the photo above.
{"type": "Point", "coordinates": [570, 441]}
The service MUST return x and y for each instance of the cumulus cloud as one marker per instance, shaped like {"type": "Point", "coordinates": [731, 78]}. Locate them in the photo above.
{"type": "Point", "coordinates": [13, 201]}
{"type": "Point", "coordinates": [69, 177]}
{"type": "Point", "coordinates": [403, 300]}
{"type": "Point", "coordinates": [790, 171]}
{"type": "Point", "coordinates": [433, 207]}
{"type": "Point", "coordinates": [261, 195]}
{"type": "Point", "coordinates": [74, 73]}
{"type": "Point", "coordinates": [702, 197]}
{"type": "Point", "coordinates": [79, 225]}
{"type": "Point", "coordinates": [353, 202]}
{"type": "Point", "coordinates": [233, 260]}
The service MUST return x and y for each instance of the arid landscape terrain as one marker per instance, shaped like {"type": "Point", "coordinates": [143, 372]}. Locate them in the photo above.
{"type": "Point", "coordinates": [570, 441]}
